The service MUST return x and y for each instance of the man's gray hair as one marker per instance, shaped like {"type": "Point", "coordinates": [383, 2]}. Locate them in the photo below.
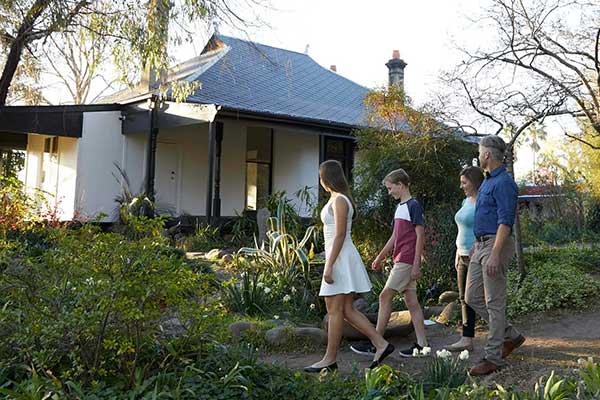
{"type": "Point", "coordinates": [495, 145]}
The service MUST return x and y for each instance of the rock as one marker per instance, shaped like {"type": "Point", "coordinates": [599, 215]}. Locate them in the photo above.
{"type": "Point", "coordinates": [400, 324]}
{"type": "Point", "coordinates": [213, 255]}
{"type": "Point", "coordinates": [262, 221]}
{"type": "Point", "coordinates": [237, 328]}
{"type": "Point", "coordinates": [431, 311]}
{"type": "Point", "coordinates": [314, 335]}
{"type": "Point", "coordinates": [276, 322]}
{"type": "Point", "coordinates": [277, 336]}
{"type": "Point", "coordinates": [448, 297]}
{"type": "Point", "coordinates": [449, 313]}
{"type": "Point", "coordinates": [360, 304]}
{"type": "Point", "coordinates": [172, 328]}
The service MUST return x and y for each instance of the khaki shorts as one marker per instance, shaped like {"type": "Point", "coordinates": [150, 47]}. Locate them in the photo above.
{"type": "Point", "coordinates": [400, 279]}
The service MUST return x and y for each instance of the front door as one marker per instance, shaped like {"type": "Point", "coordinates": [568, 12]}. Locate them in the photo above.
{"type": "Point", "coordinates": [167, 177]}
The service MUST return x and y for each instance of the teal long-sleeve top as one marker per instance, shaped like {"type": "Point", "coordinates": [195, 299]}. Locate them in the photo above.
{"type": "Point", "coordinates": [465, 220]}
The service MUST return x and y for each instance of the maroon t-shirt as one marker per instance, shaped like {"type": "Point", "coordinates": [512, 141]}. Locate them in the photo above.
{"type": "Point", "coordinates": [407, 215]}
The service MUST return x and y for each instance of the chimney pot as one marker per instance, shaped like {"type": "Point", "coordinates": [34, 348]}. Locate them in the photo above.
{"type": "Point", "coordinates": [333, 68]}
{"type": "Point", "coordinates": [396, 70]}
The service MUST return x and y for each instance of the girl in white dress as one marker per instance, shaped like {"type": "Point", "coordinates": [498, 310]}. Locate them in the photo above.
{"type": "Point", "coordinates": [344, 272]}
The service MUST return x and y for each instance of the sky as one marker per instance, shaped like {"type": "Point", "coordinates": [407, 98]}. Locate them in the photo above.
{"type": "Point", "coordinates": [359, 37]}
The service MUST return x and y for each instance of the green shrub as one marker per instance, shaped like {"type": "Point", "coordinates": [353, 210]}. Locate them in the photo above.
{"type": "Point", "coordinates": [555, 279]}
{"type": "Point", "coordinates": [205, 238]}
{"type": "Point", "coordinates": [94, 305]}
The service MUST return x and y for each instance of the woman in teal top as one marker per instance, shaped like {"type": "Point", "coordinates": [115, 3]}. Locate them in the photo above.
{"type": "Point", "coordinates": [470, 180]}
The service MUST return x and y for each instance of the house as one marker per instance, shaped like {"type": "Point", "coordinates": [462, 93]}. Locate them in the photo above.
{"type": "Point", "coordinates": [260, 120]}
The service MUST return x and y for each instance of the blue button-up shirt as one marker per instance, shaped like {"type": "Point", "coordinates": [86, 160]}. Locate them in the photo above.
{"type": "Point", "coordinates": [496, 202]}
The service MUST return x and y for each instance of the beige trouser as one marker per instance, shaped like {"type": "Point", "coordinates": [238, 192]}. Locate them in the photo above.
{"type": "Point", "coordinates": [487, 296]}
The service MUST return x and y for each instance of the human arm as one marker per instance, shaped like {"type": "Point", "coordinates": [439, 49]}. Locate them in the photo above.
{"type": "Point", "coordinates": [340, 215]}
{"type": "Point", "coordinates": [389, 246]}
{"type": "Point", "coordinates": [416, 267]}
{"type": "Point", "coordinates": [505, 195]}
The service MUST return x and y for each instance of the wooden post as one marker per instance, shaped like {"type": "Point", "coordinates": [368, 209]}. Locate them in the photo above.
{"type": "Point", "coordinates": [216, 208]}
{"type": "Point", "coordinates": [211, 162]}
{"type": "Point", "coordinates": [152, 139]}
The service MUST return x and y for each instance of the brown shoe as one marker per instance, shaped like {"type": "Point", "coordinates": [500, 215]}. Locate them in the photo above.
{"type": "Point", "coordinates": [511, 345]}
{"type": "Point", "coordinates": [483, 368]}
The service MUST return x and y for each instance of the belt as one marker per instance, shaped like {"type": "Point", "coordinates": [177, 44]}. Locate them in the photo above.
{"type": "Point", "coordinates": [484, 238]}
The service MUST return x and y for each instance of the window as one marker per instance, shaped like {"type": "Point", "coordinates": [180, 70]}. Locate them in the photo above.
{"type": "Point", "coordinates": [341, 150]}
{"type": "Point", "coordinates": [259, 158]}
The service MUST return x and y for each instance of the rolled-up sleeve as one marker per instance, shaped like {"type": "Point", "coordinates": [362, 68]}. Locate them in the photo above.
{"type": "Point", "coordinates": [506, 200]}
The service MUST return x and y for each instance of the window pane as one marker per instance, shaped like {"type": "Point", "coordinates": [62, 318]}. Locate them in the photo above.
{"type": "Point", "coordinates": [257, 185]}
{"type": "Point", "coordinates": [258, 144]}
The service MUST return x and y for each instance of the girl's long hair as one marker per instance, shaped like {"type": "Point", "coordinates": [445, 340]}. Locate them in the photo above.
{"type": "Point", "coordinates": [333, 177]}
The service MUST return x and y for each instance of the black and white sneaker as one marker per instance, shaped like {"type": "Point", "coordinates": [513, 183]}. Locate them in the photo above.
{"type": "Point", "coordinates": [363, 348]}
{"type": "Point", "coordinates": [415, 351]}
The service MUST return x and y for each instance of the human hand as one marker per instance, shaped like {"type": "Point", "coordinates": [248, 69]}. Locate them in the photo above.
{"type": "Point", "coordinates": [328, 275]}
{"type": "Point", "coordinates": [376, 265]}
{"type": "Point", "coordinates": [493, 265]}
{"type": "Point", "coordinates": [415, 272]}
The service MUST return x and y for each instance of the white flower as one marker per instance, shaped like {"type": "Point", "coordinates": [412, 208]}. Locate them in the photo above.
{"type": "Point", "coordinates": [276, 316]}
{"type": "Point", "coordinates": [286, 298]}
{"type": "Point", "coordinates": [267, 290]}
{"type": "Point", "coordinates": [443, 353]}
{"type": "Point", "coordinates": [591, 360]}
{"type": "Point", "coordinates": [312, 306]}
{"type": "Point", "coordinates": [260, 284]}
{"type": "Point", "coordinates": [415, 352]}
{"type": "Point", "coordinates": [243, 275]}
{"type": "Point", "coordinates": [293, 289]}
{"type": "Point", "coordinates": [426, 350]}
{"type": "Point", "coordinates": [464, 355]}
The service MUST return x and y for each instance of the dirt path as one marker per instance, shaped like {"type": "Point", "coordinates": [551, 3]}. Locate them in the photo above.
{"type": "Point", "coordinates": [554, 342]}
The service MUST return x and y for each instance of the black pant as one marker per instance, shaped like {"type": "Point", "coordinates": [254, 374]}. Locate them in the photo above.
{"type": "Point", "coordinates": [468, 314]}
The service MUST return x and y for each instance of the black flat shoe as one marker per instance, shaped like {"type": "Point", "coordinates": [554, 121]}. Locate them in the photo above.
{"type": "Point", "coordinates": [388, 350]}
{"type": "Point", "coordinates": [316, 370]}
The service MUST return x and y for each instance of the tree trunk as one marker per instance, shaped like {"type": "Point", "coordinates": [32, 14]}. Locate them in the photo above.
{"type": "Point", "coordinates": [517, 226]}
{"type": "Point", "coordinates": [17, 46]}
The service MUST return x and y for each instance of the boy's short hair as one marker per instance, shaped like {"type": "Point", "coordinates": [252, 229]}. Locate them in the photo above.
{"type": "Point", "coordinates": [397, 176]}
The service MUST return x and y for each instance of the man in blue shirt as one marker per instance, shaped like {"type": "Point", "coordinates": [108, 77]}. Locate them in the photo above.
{"type": "Point", "coordinates": [491, 254]}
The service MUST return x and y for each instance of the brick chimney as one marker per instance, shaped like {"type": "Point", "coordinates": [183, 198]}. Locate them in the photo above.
{"type": "Point", "coordinates": [396, 69]}
{"type": "Point", "coordinates": [333, 68]}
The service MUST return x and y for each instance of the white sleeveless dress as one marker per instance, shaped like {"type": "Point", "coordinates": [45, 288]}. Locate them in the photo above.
{"type": "Point", "coordinates": [349, 273]}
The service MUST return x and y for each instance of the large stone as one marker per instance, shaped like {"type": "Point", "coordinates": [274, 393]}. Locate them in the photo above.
{"type": "Point", "coordinates": [277, 336]}
{"type": "Point", "coordinates": [313, 335]}
{"type": "Point", "coordinates": [172, 328]}
{"type": "Point", "coordinates": [432, 311]}
{"type": "Point", "coordinates": [400, 324]}
{"type": "Point", "coordinates": [448, 297]}
{"type": "Point", "coordinates": [449, 313]}
{"type": "Point", "coordinates": [360, 304]}
{"type": "Point", "coordinates": [238, 327]}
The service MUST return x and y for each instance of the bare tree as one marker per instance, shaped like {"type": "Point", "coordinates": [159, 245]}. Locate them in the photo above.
{"type": "Point", "coordinates": [545, 57]}
{"type": "Point", "coordinates": [29, 25]}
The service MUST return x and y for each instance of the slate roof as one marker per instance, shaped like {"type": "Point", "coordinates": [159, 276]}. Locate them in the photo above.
{"type": "Point", "coordinates": [247, 76]}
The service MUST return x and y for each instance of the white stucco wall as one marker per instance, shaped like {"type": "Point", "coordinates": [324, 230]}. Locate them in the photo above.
{"type": "Point", "coordinates": [192, 142]}
{"type": "Point", "coordinates": [100, 146]}
{"type": "Point", "coordinates": [60, 171]}
{"type": "Point", "coordinates": [33, 161]}
{"type": "Point", "coordinates": [67, 176]}
{"type": "Point", "coordinates": [295, 164]}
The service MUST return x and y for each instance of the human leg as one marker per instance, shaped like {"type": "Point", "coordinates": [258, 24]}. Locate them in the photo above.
{"type": "Point", "coordinates": [335, 312]}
